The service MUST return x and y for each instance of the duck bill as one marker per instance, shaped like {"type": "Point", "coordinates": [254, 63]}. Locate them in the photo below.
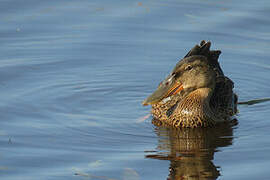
{"type": "Point", "coordinates": [162, 92]}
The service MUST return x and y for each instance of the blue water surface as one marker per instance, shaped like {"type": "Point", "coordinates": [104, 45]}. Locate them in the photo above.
{"type": "Point", "coordinates": [73, 74]}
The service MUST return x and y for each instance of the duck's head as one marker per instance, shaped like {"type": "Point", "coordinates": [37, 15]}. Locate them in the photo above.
{"type": "Point", "coordinates": [189, 74]}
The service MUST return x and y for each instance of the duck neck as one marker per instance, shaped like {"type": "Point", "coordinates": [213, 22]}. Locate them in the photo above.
{"type": "Point", "coordinates": [194, 109]}
{"type": "Point", "coordinates": [198, 97]}
{"type": "Point", "coordinates": [204, 94]}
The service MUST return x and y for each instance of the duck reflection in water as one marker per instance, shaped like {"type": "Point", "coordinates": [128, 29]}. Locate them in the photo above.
{"type": "Point", "coordinates": [191, 150]}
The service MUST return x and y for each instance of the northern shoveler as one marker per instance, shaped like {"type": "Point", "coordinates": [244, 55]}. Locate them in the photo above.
{"type": "Point", "coordinates": [196, 93]}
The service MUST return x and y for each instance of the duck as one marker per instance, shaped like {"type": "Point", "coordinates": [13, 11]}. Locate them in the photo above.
{"type": "Point", "coordinates": [196, 93]}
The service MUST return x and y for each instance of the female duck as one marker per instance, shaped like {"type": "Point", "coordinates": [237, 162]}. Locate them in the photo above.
{"type": "Point", "coordinates": [196, 93]}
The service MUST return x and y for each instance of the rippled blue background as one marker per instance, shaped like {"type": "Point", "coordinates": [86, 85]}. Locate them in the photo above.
{"type": "Point", "coordinates": [73, 74]}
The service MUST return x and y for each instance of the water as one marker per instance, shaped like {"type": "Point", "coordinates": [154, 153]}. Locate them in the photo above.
{"type": "Point", "coordinates": [73, 75]}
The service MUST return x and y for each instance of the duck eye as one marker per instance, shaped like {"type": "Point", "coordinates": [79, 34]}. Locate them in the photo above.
{"type": "Point", "coordinates": [188, 68]}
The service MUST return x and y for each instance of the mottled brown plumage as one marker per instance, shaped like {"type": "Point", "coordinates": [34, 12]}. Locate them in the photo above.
{"type": "Point", "coordinates": [196, 93]}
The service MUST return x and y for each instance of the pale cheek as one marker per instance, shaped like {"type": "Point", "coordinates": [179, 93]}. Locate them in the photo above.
{"type": "Point", "coordinates": [185, 86]}
{"type": "Point", "coordinates": [192, 83]}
